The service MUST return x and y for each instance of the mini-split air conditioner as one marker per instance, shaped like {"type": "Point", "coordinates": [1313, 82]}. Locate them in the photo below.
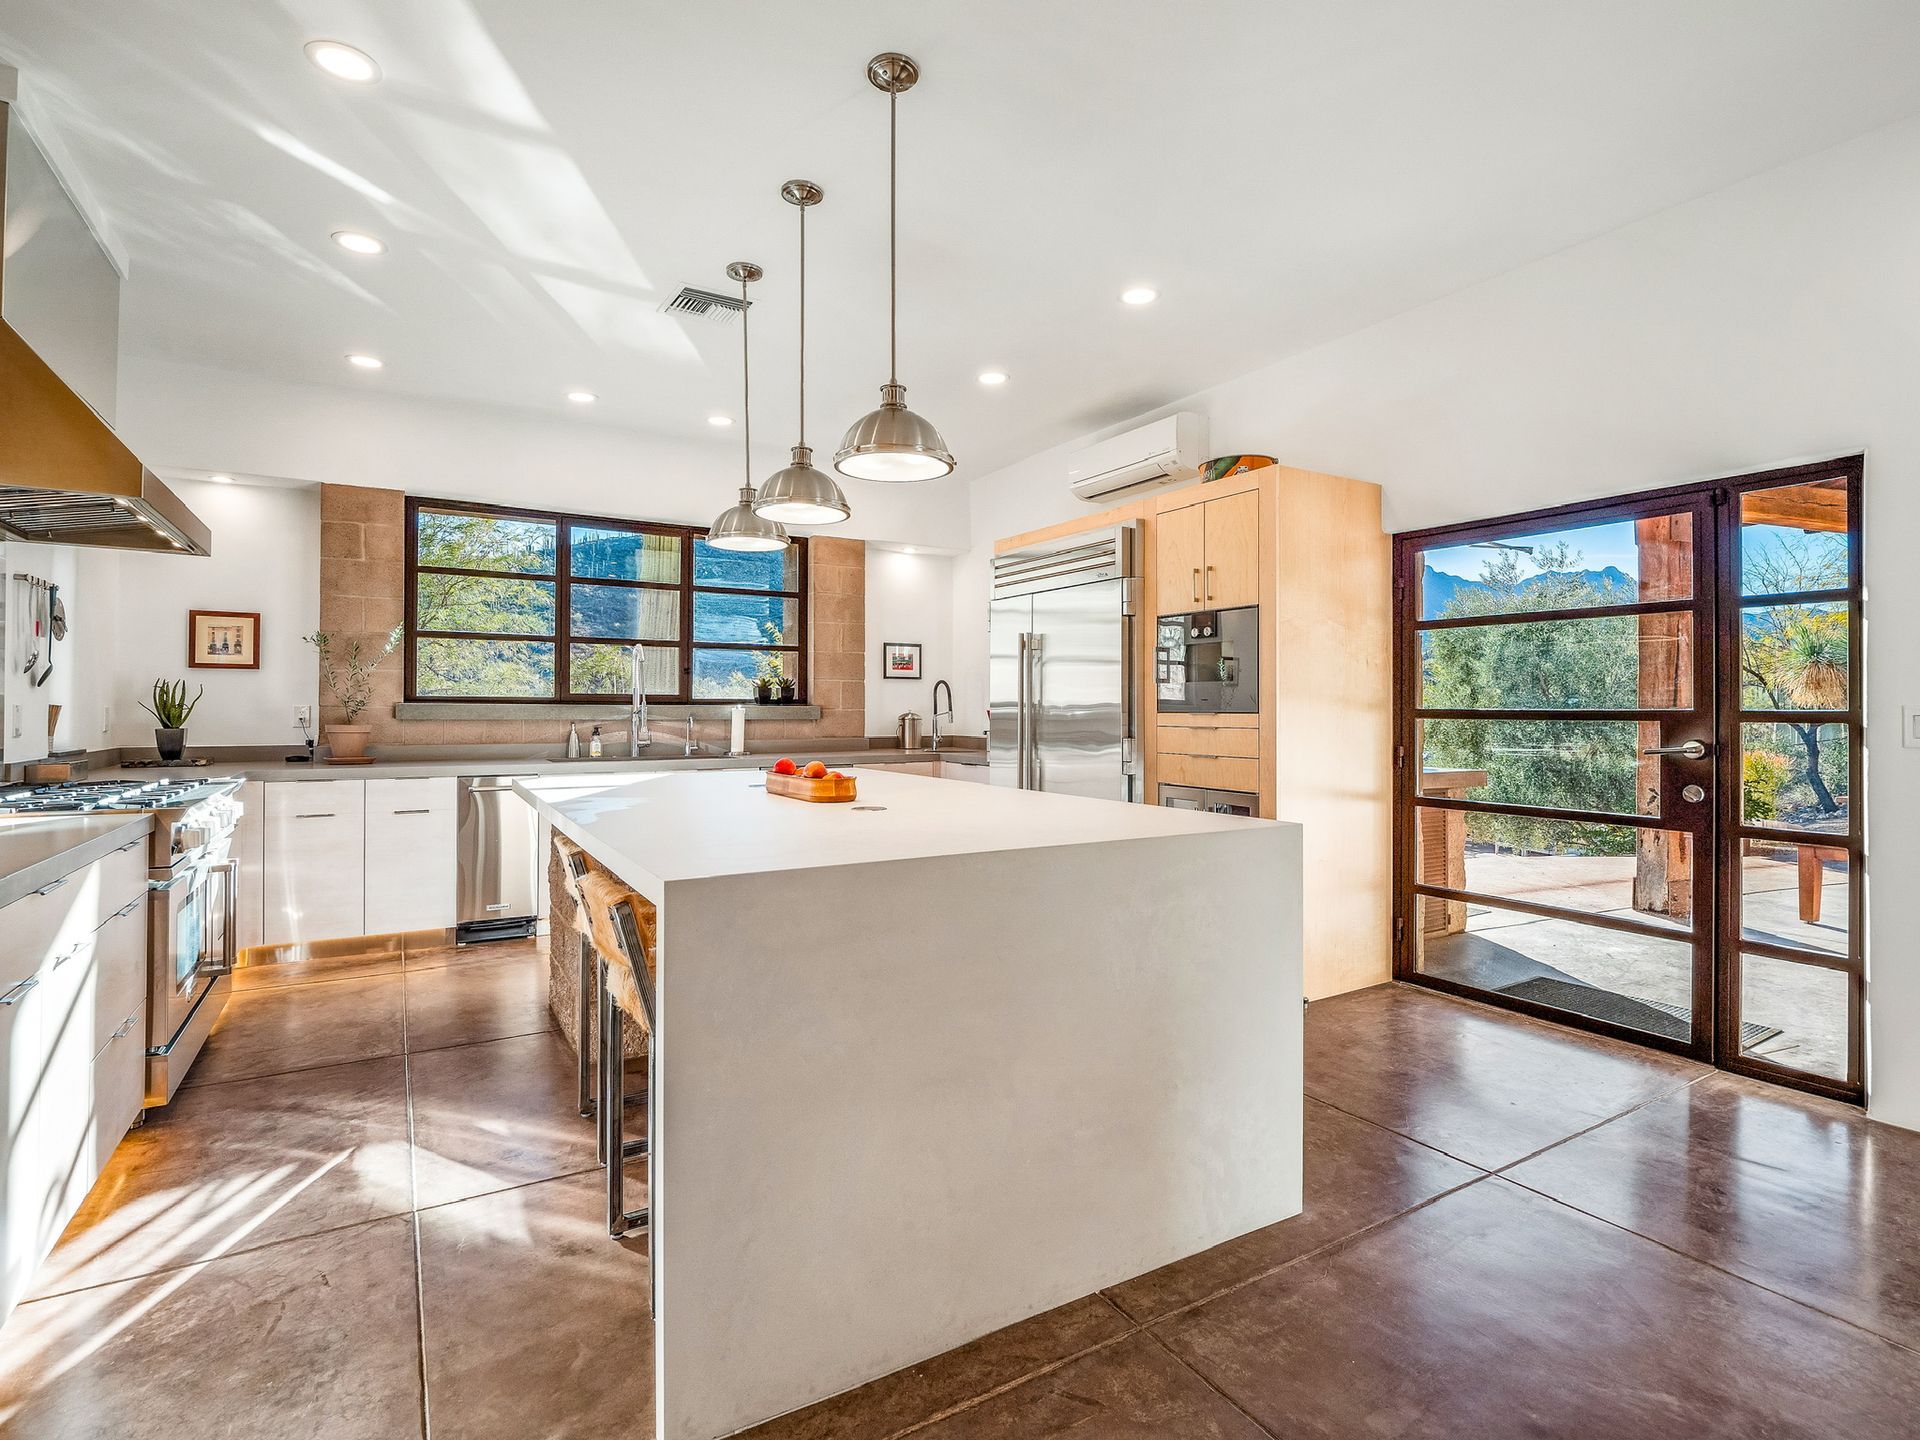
{"type": "Point", "coordinates": [1163, 453]}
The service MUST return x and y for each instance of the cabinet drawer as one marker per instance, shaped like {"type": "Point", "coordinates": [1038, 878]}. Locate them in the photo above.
{"type": "Point", "coordinates": [1209, 740]}
{"type": "Point", "coordinates": [1210, 772]}
{"type": "Point", "coordinates": [411, 869]}
{"type": "Point", "coordinates": [315, 861]}
{"type": "Point", "coordinates": [51, 921]}
{"type": "Point", "coordinates": [119, 1087]}
{"type": "Point", "coordinates": [119, 969]}
{"type": "Point", "coordinates": [315, 800]}
{"type": "Point", "coordinates": [401, 796]}
{"type": "Point", "coordinates": [123, 877]}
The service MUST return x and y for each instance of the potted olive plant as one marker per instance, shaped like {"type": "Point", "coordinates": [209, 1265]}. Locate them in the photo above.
{"type": "Point", "coordinates": [171, 708]}
{"type": "Point", "coordinates": [348, 671]}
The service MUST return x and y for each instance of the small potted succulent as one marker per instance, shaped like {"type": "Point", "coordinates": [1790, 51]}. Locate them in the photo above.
{"type": "Point", "coordinates": [171, 708]}
{"type": "Point", "coordinates": [348, 671]}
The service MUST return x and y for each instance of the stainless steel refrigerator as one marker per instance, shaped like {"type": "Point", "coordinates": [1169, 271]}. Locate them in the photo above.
{"type": "Point", "coordinates": [1062, 693]}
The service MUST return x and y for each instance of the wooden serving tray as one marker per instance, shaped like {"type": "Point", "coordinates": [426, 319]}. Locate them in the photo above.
{"type": "Point", "coordinates": [825, 790]}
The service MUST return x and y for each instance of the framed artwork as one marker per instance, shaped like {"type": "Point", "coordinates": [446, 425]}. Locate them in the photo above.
{"type": "Point", "coordinates": [899, 660]}
{"type": "Point", "coordinates": [223, 639]}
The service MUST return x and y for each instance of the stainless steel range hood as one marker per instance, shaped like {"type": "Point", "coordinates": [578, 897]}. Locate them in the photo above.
{"type": "Point", "coordinates": [65, 477]}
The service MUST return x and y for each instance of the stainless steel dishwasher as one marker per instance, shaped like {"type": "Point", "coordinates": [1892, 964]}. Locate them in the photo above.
{"type": "Point", "coordinates": [499, 891]}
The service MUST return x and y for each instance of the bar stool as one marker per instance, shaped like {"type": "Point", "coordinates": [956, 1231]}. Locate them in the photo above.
{"type": "Point", "coordinates": [624, 930]}
{"type": "Point", "coordinates": [573, 866]}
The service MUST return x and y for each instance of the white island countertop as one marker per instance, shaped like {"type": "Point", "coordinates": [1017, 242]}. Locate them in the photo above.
{"type": "Point", "coordinates": [655, 829]}
{"type": "Point", "coordinates": [926, 1069]}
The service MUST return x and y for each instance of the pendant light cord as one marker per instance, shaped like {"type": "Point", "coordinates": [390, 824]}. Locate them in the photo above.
{"type": "Point", "coordinates": [746, 388]}
{"type": "Point", "coordinates": [893, 237]}
{"type": "Point", "coordinates": [803, 323]}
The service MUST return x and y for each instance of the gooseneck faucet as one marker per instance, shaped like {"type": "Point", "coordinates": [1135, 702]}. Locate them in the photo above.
{"type": "Point", "coordinates": [693, 746]}
{"type": "Point", "coordinates": [637, 736]}
{"type": "Point", "coordinates": [933, 742]}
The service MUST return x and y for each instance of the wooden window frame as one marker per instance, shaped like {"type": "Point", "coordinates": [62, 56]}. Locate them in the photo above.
{"type": "Point", "coordinates": [563, 579]}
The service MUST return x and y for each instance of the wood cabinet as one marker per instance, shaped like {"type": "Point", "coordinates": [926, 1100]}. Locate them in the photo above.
{"type": "Point", "coordinates": [1180, 560]}
{"type": "Point", "coordinates": [315, 861]}
{"type": "Point", "coordinates": [72, 1048]}
{"type": "Point", "coordinates": [410, 854]}
{"type": "Point", "coordinates": [1207, 555]}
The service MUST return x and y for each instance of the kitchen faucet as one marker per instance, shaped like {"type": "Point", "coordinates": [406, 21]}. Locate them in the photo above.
{"type": "Point", "coordinates": [693, 747]}
{"type": "Point", "coordinates": [637, 736]}
{"type": "Point", "coordinates": [933, 742]}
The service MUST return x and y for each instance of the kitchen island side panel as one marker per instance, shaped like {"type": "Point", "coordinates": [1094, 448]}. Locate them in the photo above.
{"type": "Point", "coordinates": [905, 1104]}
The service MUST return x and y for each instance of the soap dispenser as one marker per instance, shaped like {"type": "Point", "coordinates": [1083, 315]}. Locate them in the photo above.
{"type": "Point", "coordinates": [593, 743]}
{"type": "Point", "coordinates": [573, 740]}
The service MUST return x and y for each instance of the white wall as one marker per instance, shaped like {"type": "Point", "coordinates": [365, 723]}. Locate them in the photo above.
{"type": "Point", "coordinates": [1776, 320]}
{"type": "Point", "coordinates": [909, 598]}
{"type": "Point", "coordinates": [266, 557]}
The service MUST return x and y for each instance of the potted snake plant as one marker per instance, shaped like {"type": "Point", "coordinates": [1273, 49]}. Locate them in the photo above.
{"type": "Point", "coordinates": [171, 708]}
{"type": "Point", "coordinates": [348, 671]}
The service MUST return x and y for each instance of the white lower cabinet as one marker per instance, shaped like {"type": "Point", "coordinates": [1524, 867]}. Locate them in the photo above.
{"type": "Point", "coordinates": [410, 849]}
{"type": "Point", "coordinates": [250, 854]}
{"type": "Point", "coordinates": [73, 970]}
{"type": "Point", "coordinates": [315, 861]}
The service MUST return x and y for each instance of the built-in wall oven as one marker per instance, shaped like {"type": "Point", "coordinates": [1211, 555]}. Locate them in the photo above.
{"type": "Point", "coordinates": [1207, 662]}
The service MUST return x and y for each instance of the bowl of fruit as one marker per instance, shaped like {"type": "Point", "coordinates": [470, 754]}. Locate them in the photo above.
{"type": "Point", "coordinates": [809, 781]}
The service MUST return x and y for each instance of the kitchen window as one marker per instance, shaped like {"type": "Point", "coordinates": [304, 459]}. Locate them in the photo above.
{"type": "Point", "coordinates": [527, 605]}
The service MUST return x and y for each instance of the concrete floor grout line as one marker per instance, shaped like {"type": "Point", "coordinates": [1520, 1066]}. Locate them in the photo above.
{"type": "Point", "coordinates": [1398, 1134]}
{"type": "Point", "coordinates": [1659, 1099]}
{"type": "Point", "coordinates": [413, 1199]}
{"type": "Point", "coordinates": [1713, 1265]}
{"type": "Point", "coordinates": [1005, 1386]}
{"type": "Point", "coordinates": [1234, 1404]}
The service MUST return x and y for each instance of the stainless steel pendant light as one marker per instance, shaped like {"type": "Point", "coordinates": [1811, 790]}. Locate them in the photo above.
{"type": "Point", "coordinates": [800, 494]}
{"type": "Point", "coordinates": [738, 528]}
{"type": "Point", "coordinates": [893, 443]}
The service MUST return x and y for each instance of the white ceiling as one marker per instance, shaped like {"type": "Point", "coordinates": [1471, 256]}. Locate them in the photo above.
{"type": "Point", "coordinates": [546, 174]}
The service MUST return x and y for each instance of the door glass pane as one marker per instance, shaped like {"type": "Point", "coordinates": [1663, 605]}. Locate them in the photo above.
{"type": "Point", "coordinates": [486, 542]}
{"type": "Point", "coordinates": [1794, 538]}
{"type": "Point", "coordinates": [1560, 764]}
{"type": "Point", "coordinates": [1617, 562]}
{"type": "Point", "coordinates": [1796, 777]}
{"type": "Point", "coordinates": [494, 669]}
{"type": "Point", "coordinates": [1644, 982]}
{"type": "Point", "coordinates": [746, 619]}
{"type": "Point", "coordinates": [1794, 1015]}
{"type": "Point", "coordinates": [1610, 662]}
{"type": "Point", "coordinates": [729, 674]}
{"type": "Point", "coordinates": [1618, 870]}
{"type": "Point", "coordinates": [746, 569]}
{"type": "Point", "coordinates": [1795, 657]}
{"type": "Point", "coordinates": [479, 603]}
{"type": "Point", "coordinates": [1796, 895]}
{"type": "Point", "coordinates": [619, 612]}
{"type": "Point", "coordinates": [601, 553]}
{"type": "Point", "coordinates": [608, 670]}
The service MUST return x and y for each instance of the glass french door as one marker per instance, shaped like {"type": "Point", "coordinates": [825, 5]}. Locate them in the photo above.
{"type": "Point", "coordinates": [1627, 732]}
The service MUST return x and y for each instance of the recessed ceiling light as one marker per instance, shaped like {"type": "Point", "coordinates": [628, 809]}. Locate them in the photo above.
{"type": "Point", "coordinates": [906, 550]}
{"type": "Point", "coordinates": [221, 479]}
{"type": "Point", "coordinates": [366, 362]}
{"type": "Point", "coordinates": [582, 397]}
{"type": "Point", "coordinates": [721, 420]}
{"type": "Point", "coordinates": [1139, 295]}
{"type": "Point", "coordinates": [343, 62]}
{"type": "Point", "coordinates": [993, 377]}
{"type": "Point", "coordinates": [359, 243]}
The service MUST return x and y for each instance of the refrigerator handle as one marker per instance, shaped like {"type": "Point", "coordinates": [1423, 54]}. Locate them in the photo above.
{"type": "Point", "coordinates": [1034, 779]}
{"type": "Point", "coordinates": [1021, 700]}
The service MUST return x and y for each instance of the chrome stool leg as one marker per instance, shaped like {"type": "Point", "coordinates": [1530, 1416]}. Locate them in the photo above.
{"type": "Point", "coordinates": [583, 1019]}
{"type": "Point", "coordinates": [615, 1147]}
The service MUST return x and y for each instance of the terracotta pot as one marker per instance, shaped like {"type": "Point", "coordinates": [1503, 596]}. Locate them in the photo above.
{"type": "Point", "coordinates": [172, 744]}
{"type": "Point", "coordinates": [348, 742]}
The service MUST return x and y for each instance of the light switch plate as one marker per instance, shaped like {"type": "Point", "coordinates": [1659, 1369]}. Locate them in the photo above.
{"type": "Point", "coordinates": [1910, 726]}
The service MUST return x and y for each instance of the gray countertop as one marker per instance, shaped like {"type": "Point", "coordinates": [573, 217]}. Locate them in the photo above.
{"type": "Point", "coordinates": [534, 764]}
{"type": "Point", "coordinates": [36, 850]}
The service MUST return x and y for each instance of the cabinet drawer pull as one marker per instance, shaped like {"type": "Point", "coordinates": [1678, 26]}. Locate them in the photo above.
{"type": "Point", "coordinates": [315, 815]}
{"type": "Point", "coordinates": [423, 810]}
{"type": "Point", "coordinates": [126, 909]}
{"type": "Point", "coordinates": [19, 992]}
{"type": "Point", "coordinates": [1196, 584]}
{"type": "Point", "coordinates": [48, 889]}
{"type": "Point", "coordinates": [1209, 582]}
{"type": "Point", "coordinates": [130, 845]}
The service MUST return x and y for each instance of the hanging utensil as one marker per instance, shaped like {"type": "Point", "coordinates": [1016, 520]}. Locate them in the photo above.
{"type": "Point", "coordinates": [56, 627]}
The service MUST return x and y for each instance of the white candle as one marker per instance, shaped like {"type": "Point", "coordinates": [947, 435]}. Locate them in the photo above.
{"type": "Point", "coordinates": [739, 745]}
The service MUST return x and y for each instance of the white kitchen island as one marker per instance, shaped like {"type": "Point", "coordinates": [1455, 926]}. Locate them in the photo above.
{"type": "Point", "coordinates": [937, 1061]}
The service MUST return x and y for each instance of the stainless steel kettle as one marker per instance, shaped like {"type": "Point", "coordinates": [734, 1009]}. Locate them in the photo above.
{"type": "Point", "coordinates": [909, 731]}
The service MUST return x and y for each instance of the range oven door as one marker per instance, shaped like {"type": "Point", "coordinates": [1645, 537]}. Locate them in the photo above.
{"type": "Point", "coordinates": [191, 941]}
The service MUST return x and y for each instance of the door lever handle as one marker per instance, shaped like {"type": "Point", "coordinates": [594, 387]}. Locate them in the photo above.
{"type": "Point", "coordinates": [1686, 750]}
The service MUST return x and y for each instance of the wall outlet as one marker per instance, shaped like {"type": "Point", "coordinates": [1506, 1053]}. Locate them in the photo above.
{"type": "Point", "coordinates": [302, 716]}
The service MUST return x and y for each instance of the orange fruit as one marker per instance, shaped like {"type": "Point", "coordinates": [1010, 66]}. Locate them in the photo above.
{"type": "Point", "coordinates": [784, 766]}
{"type": "Point", "coordinates": [815, 771]}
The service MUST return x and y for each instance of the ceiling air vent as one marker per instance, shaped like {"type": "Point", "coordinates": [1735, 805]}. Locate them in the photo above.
{"type": "Point", "coordinates": [704, 305]}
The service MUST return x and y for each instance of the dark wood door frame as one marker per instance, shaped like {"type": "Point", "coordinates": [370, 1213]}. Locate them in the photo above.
{"type": "Point", "coordinates": [1716, 719]}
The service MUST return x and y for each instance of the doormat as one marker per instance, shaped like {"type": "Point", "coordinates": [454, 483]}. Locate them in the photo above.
{"type": "Point", "coordinates": [1670, 1022]}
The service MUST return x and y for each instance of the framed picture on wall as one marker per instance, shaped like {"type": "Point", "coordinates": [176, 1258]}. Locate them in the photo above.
{"type": "Point", "coordinates": [900, 660]}
{"type": "Point", "coordinates": [223, 639]}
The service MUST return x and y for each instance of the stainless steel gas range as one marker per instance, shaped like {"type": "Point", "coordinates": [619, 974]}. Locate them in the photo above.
{"type": "Point", "coordinates": [190, 902]}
